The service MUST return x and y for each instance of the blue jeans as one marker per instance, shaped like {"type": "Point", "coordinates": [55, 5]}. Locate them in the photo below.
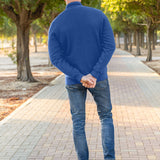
{"type": "Point", "coordinates": [77, 97]}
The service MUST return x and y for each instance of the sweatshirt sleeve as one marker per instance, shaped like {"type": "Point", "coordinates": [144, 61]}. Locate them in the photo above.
{"type": "Point", "coordinates": [108, 47]}
{"type": "Point", "coordinates": [58, 60]}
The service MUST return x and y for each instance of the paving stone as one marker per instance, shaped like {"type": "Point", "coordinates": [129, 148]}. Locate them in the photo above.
{"type": "Point", "coordinates": [41, 129]}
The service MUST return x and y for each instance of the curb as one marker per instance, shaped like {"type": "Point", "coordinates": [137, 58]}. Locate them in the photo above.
{"type": "Point", "coordinates": [28, 101]}
{"type": "Point", "coordinates": [152, 70]}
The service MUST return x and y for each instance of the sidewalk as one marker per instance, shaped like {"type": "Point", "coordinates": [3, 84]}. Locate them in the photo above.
{"type": "Point", "coordinates": [41, 129]}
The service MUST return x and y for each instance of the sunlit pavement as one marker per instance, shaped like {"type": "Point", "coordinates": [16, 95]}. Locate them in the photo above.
{"type": "Point", "coordinates": [41, 129]}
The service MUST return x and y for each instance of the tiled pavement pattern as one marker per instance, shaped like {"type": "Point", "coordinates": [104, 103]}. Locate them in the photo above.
{"type": "Point", "coordinates": [41, 129]}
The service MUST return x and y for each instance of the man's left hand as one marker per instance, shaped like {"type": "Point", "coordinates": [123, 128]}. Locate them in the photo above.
{"type": "Point", "coordinates": [88, 81]}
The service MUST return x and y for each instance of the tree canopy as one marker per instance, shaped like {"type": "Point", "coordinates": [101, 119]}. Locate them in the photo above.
{"type": "Point", "coordinates": [134, 15]}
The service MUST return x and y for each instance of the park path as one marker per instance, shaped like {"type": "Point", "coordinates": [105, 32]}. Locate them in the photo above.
{"type": "Point", "coordinates": [41, 129]}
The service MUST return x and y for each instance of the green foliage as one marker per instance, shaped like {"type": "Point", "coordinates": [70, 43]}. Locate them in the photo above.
{"type": "Point", "coordinates": [51, 10]}
{"type": "Point", "coordinates": [18, 5]}
{"type": "Point", "coordinates": [149, 9]}
{"type": "Point", "coordinates": [13, 56]}
{"type": "Point", "coordinates": [122, 16]}
{"type": "Point", "coordinates": [55, 7]}
{"type": "Point", "coordinates": [35, 28]}
{"type": "Point", "coordinates": [44, 39]}
{"type": "Point", "coordinates": [92, 3]}
{"type": "Point", "coordinates": [7, 27]}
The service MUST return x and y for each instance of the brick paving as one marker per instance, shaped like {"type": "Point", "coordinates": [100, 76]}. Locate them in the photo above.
{"type": "Point", "coordinates": [41, 129]}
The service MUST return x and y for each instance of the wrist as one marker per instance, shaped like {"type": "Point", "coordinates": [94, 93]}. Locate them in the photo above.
{"type": "Point", "coordinates": [95, 74]}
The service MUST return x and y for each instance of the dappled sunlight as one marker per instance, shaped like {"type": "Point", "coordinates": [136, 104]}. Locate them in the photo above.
{"type": "Point", "coordinates": [123, 56]}
{"type": "Point", "coordinates": [136, 114]}
{"type": "Point", "coordinates": [136, 127]}
{"type": "Point", "coordinates": [133, 74]}
{"type": "Point", "coordinates": [38, 106]}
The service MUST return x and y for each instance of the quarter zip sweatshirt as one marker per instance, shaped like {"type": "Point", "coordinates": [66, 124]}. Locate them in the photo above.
{"type": "Point", "coordinates": [80, 42]}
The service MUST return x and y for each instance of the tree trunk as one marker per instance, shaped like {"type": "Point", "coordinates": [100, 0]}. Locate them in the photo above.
{"type": "Point", "coordinates": [134, 38]}
{"type": "Point", "coordinates": [149, 55]}
{"type": "Point", "coordinates": [142, 39]}
{"type": "Point", "coordinates": [146, 42]}
{"type": "Point", "coordinates": [125, 42]}
{"type": "Point", "coordinates": [119, 43]}
{"type": "Point", "coordinates": [138, 44]}
{"type": "Point", "coordinates": [23, 62]}
{"type": "Point", "coordinates": [49, 62]}
{"type": "Point", "coordinates": [35, 42]}
{"type": "Point", "coordinates": [23, 17]}
{"type": "Point", "coordinates": [153, 39]}
{"type": "Point", "coordinates": [13, 43]}
{"type": "Point", "coordinates": [130, 41]}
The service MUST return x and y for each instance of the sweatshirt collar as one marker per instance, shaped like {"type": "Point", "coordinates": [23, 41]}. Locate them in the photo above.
{"type": "Point", "coordinates": [72, 4]}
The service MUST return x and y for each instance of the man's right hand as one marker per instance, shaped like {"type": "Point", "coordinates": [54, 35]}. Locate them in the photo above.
{"type": "Point", "coordinates": [88, 81]}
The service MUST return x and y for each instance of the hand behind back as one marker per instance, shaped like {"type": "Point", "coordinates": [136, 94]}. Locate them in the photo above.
{"type": "Point", "coordinates": [88, 81]}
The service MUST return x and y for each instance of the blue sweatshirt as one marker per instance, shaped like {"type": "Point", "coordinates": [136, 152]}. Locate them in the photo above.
{"type": "Point", "coordinates": [80, 42]}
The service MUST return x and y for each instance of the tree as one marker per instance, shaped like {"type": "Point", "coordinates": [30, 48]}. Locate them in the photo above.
{"type": "Point", "coordinates": [123, 20]}
{"type": "Point", "coordinates": [23, 13]}
{"type": "Point", "coordinates": [150, 10]}
{"type": "Point", "coordinates": [7, 29]}
{"type": "Point", "coordinates": [50, 12]}
{"type": "Point", "coordinates": [35, 29]}
{"type": "Point", "coordinates": [118, 18]}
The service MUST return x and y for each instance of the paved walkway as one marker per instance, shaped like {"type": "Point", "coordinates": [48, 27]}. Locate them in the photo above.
{"type": "Point", "coordinates": [41, 129]}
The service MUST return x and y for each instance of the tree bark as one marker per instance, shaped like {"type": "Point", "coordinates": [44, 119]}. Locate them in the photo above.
{"type": "Point", "coordinates": [142, 39]}
{"type": "Point", "coordinates": [49, 62]}
{"type": "Point", "coordinates": [35, 42]}
{"type": "Point", "coordinates": [149, 55]}
{"type": "Point", "coordinates": [153, 39]}
{"type": "Point", "coordinates": [130, 41]}
{"type": "Point", "coordinates": [23, 62]}
{"type": "Point", "coordinates": [146, 42]}
{"type": "Point", "coordinates": [134, 38]}
{"type": "Point", "coordinates": [119, 43]}
{"type": "Point", "coordinates": [125, 42]}
{"type": "Point", "coordinates": [23, 18]}
{"type": "Point", "coordinates": [138, 44]}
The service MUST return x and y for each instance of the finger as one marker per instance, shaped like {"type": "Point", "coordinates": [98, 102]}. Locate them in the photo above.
{"type": "Point", "coordinates": [84, 84]}
{"type": "Point", "coordinates": [90, 81]}
{"type": "Point", "coordinates": [92, 85]}
{"type": "Point", "coordinates": [93, 81]}
{"type": "Point", "coordinates": [83, 81]}
{"type": "Point", "coordinates": [87, 84]}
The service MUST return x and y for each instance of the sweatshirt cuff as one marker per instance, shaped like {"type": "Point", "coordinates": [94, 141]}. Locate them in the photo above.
{"type": "Point", "coordinates": [79, 77]}
{"type": "Point", "coordinates": [95, 74]}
